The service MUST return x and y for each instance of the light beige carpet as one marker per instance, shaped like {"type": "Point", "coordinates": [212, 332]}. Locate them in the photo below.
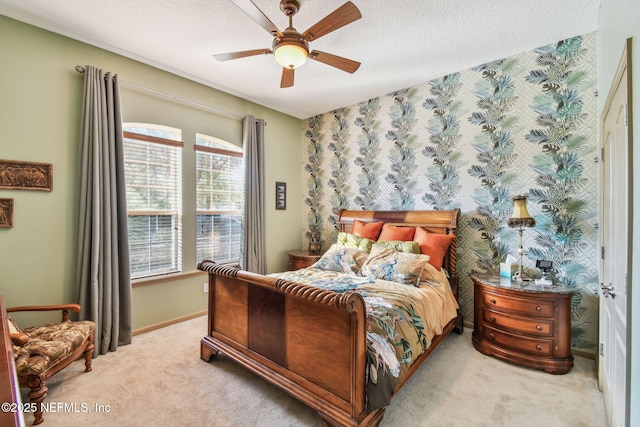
{"type": "Point", "coordinates": [159, 380]}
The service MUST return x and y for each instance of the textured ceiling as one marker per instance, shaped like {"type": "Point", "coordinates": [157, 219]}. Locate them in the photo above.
{"type": "Point", "coordinates": [399, 43]}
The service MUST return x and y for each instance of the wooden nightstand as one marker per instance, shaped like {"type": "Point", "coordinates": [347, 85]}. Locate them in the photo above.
{"type": "Point", "coordinates": [523, 323]}
{"type": "Point", "coordinates": [302, 259]}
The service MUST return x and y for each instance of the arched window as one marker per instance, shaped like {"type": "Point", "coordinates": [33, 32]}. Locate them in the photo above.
{"type": "Point", "coordinates": [219, 200]}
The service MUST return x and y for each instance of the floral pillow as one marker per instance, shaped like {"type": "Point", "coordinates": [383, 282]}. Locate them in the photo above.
{"type": "Point", "coordinates": [400, 267]}
{"type": "Point", "coordinates": [342, 259]}
{"type": "Point", "coordinates": [353, 241]}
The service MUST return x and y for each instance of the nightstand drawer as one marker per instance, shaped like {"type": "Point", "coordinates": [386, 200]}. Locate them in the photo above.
{"type": "Point", "coordinates": [540, 308]}
{"type": "Point", "coordinates": [531, 346]}
{"type": "Point", "coordinates": [530, 326]}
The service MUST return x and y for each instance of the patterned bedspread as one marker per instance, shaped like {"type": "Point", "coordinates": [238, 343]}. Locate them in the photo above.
{"type": "Point", "coordinates": [401, 321]}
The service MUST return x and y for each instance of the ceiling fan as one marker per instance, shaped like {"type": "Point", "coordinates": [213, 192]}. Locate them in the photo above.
{"type": "Point", "coordinates": [291, 48]}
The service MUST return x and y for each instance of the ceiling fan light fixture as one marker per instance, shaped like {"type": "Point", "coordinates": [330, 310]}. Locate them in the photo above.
{"type": "Point", "coordinates": [291, 56]}
{"type": "Point", "coordinates": [291, 51]}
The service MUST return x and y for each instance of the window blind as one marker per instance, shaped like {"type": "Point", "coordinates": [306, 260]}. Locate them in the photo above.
{"type": "Point", "coordinates": [153, 171]}
{"type": "Point", "coordinates": [219, 200]}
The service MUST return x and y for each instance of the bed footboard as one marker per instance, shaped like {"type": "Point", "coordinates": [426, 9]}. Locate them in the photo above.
{"type": "Point", "coordinates": [307, 341]}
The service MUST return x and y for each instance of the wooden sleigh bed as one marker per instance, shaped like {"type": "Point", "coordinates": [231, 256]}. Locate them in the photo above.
{"type": "Point", "coordinates": [308, 341]}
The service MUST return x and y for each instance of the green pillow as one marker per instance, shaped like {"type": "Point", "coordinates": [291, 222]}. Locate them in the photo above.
{"type": "Point", "coordinates": [401, 246]}
{"type": "Point", "coordinates": [353, 241]}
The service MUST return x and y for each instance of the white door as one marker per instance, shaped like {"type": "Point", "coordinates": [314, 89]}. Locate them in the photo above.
{"type": "Point", "coordinates": [615, 241]}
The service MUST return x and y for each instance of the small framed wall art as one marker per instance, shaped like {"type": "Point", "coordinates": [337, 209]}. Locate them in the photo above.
{"type": "Point", "coordinates": [6, 213]}
{"type": "Point", "coordinates": [20, 175]}
{"type": "Point", "coordinates": [281, 195]}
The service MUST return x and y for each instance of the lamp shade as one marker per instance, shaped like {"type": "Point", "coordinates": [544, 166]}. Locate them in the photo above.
{"type": "Point", "coordinates": [520, 216]}
{"type": "Point", "coordinates": [291, 55]}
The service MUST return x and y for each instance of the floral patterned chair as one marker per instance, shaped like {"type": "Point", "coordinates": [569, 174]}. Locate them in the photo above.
{"type": "Point", "coordinates": [42, 351]}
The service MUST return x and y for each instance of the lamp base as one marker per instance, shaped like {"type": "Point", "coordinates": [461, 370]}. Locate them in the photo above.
{"type": "Point", "coordinates": [519, 277]}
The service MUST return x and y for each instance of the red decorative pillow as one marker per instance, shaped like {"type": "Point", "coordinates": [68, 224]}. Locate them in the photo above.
{"type": "Point", "coordinates": [392, 232]}
{"type": "Point", "coordinates": [434, 245]}
{"type": "Point", "coordinates": [369, 230]}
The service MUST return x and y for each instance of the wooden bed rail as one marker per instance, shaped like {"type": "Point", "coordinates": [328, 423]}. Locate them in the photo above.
{"type": "Point", "coordinates": [344, 301]}
{"type": "Point", "coordinates": [445, 219]}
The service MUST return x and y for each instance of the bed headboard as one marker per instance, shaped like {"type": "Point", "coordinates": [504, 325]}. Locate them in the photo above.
{"type": "Point", "coordinates": [436, 221]}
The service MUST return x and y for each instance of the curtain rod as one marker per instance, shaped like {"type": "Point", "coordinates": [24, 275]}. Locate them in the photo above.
{"type": "Point", "coordinates": [81, 69]}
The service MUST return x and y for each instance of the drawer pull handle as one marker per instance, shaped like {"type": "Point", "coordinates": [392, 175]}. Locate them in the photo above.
{"type": "Point", "coordinates": [538, 327]}
{"type": "Point", "coordinates": [492, 300]}
{"type": "Point", "coordinates": [538, 308]}
{"type": "Point", "coordinates": [492, 336]}
{"type": "Point", "coordinates": [493, 319]}
{"type": "Point", "coordinates": [539, 347]}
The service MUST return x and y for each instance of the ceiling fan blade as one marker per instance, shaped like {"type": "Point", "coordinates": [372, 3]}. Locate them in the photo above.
{"type": "Point", "coordinates": [242, 54]}
{"type": "Point", "coordinates": [345, 14]}
{"type": "Point", "coordinates": [256, 14]}
{"type": "Point", "coordinates": [287, 77]}
{"type": "Point", "coordinates": [339, 62]}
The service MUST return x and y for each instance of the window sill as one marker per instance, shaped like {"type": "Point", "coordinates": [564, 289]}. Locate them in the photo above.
{"type": "Point", "coordinates": [146, 281]}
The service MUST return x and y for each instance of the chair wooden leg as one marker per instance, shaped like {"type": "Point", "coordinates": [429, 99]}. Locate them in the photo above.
{"type": "Point", "coordinates": [36, 395]}
{"type": "Point", "coordinates": [88, 353]}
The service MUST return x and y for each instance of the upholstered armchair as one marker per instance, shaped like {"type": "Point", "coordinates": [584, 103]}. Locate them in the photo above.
{"type": "Point", "coordinates": [42, 351]}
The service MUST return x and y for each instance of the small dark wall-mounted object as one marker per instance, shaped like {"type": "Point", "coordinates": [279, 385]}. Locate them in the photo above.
{"type": "Point", "coordinates": [18, 175]}
{"type": "Point", "coordinates": [6, 213]}
{"type": "Point", "coordinates": [281, 195]}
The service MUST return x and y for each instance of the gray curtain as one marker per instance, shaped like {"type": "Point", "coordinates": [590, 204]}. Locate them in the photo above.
{"type": "Point", "coordinates": [103, 276]}
{"type": "Point", "coordinates": [254, 257]}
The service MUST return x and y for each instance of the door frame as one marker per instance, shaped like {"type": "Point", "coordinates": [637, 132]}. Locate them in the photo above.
{"type": "Point", "coordinates": [625, 64]}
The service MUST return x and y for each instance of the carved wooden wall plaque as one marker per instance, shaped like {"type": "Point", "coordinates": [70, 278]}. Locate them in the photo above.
{"type": "Point", "coordinates": [19, 175]}
{"type": "Point", "coordinates": [6, 213]}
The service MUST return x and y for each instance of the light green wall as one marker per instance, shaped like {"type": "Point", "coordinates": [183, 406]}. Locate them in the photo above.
{"type": "Point", "coordinates": [619, 20]}
{"type": "Point", "coordinates": [40, 107]}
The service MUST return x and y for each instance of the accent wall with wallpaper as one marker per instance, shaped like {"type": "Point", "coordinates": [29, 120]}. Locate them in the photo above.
{"type": "Point", "coordinates": [526, 124]}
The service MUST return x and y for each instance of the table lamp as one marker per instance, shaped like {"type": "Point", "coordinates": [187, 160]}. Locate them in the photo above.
{"type": "Point", "coordinates": [519, 219]}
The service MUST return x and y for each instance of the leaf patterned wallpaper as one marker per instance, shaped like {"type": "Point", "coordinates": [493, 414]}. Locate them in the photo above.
{"type": "Point", "coordinates": [526, 124]}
